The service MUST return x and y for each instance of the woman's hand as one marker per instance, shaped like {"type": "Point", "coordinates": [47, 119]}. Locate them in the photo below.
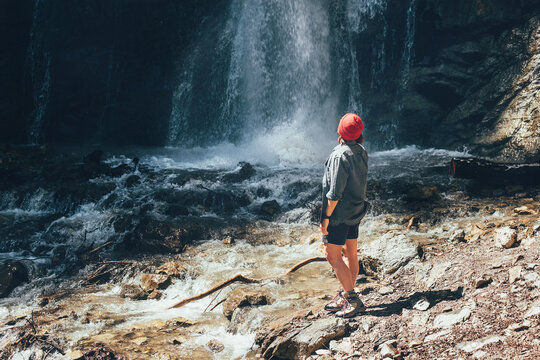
{"type": "Point", "coordinates": [324, 226]}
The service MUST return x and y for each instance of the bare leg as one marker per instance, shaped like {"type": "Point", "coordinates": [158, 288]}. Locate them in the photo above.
{"type": "Point", "coordinates": [351, 258]}
{"type": "Point", "coordinates": [343, 273]}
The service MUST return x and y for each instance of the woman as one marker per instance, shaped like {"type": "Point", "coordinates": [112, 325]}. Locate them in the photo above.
{"type": "Point", "coordinates": [344, 205]}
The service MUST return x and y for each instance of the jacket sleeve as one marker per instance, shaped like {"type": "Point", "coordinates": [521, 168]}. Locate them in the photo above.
{"type": "Point", "coordinates": [338, 172]}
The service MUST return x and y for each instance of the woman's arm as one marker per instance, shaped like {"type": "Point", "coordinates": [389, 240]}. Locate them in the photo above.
{"type": "Point", "coordinates": [326, 215]}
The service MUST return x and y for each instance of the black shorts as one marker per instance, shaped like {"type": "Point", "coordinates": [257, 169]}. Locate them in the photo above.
{"type": "Point", "coordinates": [337, 234]}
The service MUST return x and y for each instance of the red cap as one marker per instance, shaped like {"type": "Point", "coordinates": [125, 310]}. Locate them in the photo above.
{"type": "Point", "coordinates": [350, 127]}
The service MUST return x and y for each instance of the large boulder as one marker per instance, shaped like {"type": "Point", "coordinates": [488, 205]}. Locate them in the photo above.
{"type": "Point", "coordinates": [286, 339]}
{"type": "Point", "coordinates": [242, 297]}
{"type": "Point", "coordinates": [387, 253]}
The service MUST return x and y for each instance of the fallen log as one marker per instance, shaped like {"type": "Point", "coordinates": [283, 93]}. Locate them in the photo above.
{"type": "Point", "coordinates": [495, 172]}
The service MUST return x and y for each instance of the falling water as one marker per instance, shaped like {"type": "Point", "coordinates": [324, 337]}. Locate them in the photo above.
{"type": "Point", "coordinates": [273, 73]}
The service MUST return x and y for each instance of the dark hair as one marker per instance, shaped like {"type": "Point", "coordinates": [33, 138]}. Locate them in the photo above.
{"type": "Point", "coordinates": [360, 140]}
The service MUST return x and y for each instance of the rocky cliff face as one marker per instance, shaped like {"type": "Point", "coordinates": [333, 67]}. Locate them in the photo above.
{"type": "Point", "coordinates": [474, 78]}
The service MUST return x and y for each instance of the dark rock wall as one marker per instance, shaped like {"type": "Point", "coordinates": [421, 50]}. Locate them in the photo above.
{"type": "Point", "coordinates": [81, 71]}
{"type": "Point", "coordinates": [473, 59]}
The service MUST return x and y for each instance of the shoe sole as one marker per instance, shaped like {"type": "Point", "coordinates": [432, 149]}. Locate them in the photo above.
{"type": "Point", "coordinates": [332, 310]}
{"type": "Point", "coordinates": [345, 316]}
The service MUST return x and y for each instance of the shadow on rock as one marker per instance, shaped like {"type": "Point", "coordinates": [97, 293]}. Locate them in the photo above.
{"type": "Point", "coordinates": [431, 297]}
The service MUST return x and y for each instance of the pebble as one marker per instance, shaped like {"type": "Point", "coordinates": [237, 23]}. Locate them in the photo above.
{"type": "Point", "coordinates": [387, 350]}
{"type": "Point", "coordinates": [75, 355]}
{"type": "Point", "coordinates": [344, 346]}
{"type": "Point", "coordinates": [367, 325]}
{"type": "Point", "coordinates": [482, 281]}
{"type": "Point", "coordinates": [323, 352]}
{"type": "Point", "coordinates": [505, 237]}
{"type": "Point", "coordinates": [385, 290]}
{"type": "Point", "coordinates": [422, 304]}
{"type": "Point", "coordinates": [514, 274]}
{"type": "Point", "coordinates": [215, 346]}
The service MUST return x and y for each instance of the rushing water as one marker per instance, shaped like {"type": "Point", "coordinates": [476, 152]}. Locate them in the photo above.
{"type": "Point", "coordinates": [289, 171]}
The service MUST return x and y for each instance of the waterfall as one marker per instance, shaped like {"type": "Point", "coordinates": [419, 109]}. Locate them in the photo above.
{"type": "Point", "coordinates": [279, 61]}
{"type": "Point", "coordinates": [275, 68]}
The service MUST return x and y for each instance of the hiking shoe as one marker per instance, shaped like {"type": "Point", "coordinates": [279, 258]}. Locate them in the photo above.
{"type": "Point", "coordinates": [351, 307]}
{"type": "Point", "coordinates": [337, 302]}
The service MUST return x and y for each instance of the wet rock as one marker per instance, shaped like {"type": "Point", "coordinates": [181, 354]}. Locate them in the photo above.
{"type": "Point", "coordinates": [263, 192]}
{"type": "Point", "coordinates": [75, 355]}
{"type": "Point", "coordinates": [155, 281]}
{"type": "Point", "coordinates": [424, 193]}
{"type": "Point", "coordinates": [290, 343]}
{"type": "Point", "coordinates": [101, 352]}
{"type": "Point", "coordinates": [172, 268]}
{"type": "Point", "coordinates": [157, 236]}
{"type": "Point", "coordinates": [270, 207]}
{"type": "Point", "coordinates": [245, 172]}
{"type": "Point", "coordinates": [241, 297]}
{"type": "Point", "coordinates": [514, 273]}
{"type": "Point", "coordinates": [180, 322]}
{"type": "Point", "coordinates": [12, 274]}
{"type": "Point", "coordinates": [133, 292]}
{"type": "Point", "coordinates": [215, 346]}
{"type": "Point", "coordinates": [225, 201]}
{"type": "Point", "coordinates": [132, 180]}
{"type": "Point", "coordinates": [155, 295]}
{"type": "Point", "coordinates": [447, 320]}
{"type": "Point", "coordinates": [524, 210]}
{"type": "Point", "coordinates": [94, 158]}
{"type": "Point", "coordinates": [176, 210]}
{"type": "Point", "coordinates": [505, 237]}
{"type": "Point", "coordinates": [387, 253]}
{"type": "Point", "coordinates": [458, 235]}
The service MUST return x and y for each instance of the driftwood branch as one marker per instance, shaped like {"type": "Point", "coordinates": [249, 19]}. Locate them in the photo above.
{"type": "Point", "coordinates": [234, 279]}
{"type": "Point", "coordinates": [241, 278]}
{"type": "Point", "coordinates": [305, 262]}
{"type": "Point", "coordinates": [100, 247]}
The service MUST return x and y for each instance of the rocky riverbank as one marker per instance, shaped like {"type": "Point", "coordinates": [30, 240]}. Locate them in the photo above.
{"type": "Point", "coordinates": [449, 267]}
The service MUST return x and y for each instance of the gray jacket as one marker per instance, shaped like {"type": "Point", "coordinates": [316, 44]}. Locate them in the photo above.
{"type": "Point", "coordinates": [345, 180]}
